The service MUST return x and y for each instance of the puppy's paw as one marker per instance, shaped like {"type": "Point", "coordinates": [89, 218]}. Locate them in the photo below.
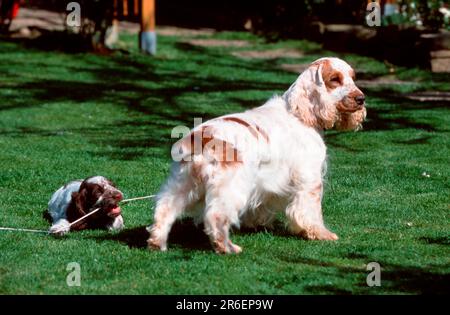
{"type": "Point", "coordinates": [60, 228]}
{"type": "Point", "coordinates": [117, 224]}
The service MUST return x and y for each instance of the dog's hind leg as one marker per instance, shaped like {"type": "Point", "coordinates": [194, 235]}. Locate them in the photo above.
{"type": "Point", "coordinates": [172, 200]}
{"type": "Point", "coordinates": [217, 226]}
{"type": "Point", "coordinates": [168, 208]}
{"type": "Point", "coordinates": [223, 206]}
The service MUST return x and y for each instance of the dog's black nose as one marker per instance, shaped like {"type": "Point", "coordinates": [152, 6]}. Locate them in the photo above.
{"type": "Point", "coordinates": [360, 100]}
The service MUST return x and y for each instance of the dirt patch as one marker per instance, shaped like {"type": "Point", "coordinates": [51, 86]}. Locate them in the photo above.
{"type": "Point", "coordinates": [269, 54]}
{"type": "Point", "coordinates": [41, 19]}
{"type": "Point", "coordinates": [440, 61]}
{"type": "Point", "coordinates": [380, 81]}
{"type": "Point", "coordinates": [383, 81]}
{"type": "Point", "coordinates": [294, 67]}
{"type": "Point", "coordinates": [178, 31]}
{"type": "Point", "coordinates": [217, 43]}
{"type": "Point", "coordinates": [55, 21]}
{"type": "Point", "coordinates": [427, 96]}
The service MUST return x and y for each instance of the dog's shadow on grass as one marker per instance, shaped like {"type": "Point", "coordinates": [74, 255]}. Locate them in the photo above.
{"type": "Point", "coordinates": [185, 234]}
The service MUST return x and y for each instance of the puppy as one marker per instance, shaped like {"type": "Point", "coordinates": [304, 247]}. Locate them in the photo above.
{"type": "Point", "coordinates": [79, 197]}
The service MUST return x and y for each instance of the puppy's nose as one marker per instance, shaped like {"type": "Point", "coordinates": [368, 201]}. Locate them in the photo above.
{"type": "Point", "coordinates": [118, 196]}
{"type": "Point", "coordinates": [360, 100]}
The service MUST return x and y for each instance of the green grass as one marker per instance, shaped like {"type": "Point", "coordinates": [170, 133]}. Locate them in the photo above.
{"type": "Point", "coordinates": [66, 116]}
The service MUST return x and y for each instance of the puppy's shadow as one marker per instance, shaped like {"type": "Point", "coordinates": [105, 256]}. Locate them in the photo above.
{"type": "Point", "coordinates": [184, 234]}
{"type": "Point", "coordinates": [46, 216]}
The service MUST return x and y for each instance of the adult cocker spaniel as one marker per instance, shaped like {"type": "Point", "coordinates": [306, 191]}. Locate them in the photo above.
{"type": "Point", "coordinates": [241, 169]}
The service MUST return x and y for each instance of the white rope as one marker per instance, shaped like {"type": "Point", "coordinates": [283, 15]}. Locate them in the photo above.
{"type": "Point", "coordinates": [22, 230]}
{"type": "Point", "coordinates": [138, 198]}
{"type": "Point", "coordinates": [83, 217]}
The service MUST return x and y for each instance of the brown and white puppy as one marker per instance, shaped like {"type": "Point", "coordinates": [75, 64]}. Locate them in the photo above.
{"type": "Point", "coordinates": [241, 169]}
{"type": "Point", "coordinates": [79, 197]}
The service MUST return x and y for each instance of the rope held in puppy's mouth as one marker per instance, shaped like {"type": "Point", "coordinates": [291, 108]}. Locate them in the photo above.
{"type": "Point", "coordinates": [74, 222]}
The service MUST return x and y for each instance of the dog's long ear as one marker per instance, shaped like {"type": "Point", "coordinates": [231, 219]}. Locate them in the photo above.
{"type": "Point", "coordinates": [77, 208]}
{"type": "Point", "coordinates": [80, 199]}
{"type": "Point", "coordinates": [318, 78]}
{"type": "Point", "coordinates": [315, 107]}
{"type": "Point", "coordinates": [301, 98]}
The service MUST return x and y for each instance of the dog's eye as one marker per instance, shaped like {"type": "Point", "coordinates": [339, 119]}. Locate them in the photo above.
{"type": "Point", "coordinates": [335, 79]}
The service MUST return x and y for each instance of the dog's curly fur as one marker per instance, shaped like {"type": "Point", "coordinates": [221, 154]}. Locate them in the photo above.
{"type": "Point", "coordinates": [240, 169]}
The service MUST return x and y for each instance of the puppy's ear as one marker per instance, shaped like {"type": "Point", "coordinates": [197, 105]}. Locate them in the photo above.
{"type": "Point", "coordinates": [77, 206]}
{"type": "Point", "coordinates": [79, 199]}
{"type": "Point", "coordinates": [77, 209]}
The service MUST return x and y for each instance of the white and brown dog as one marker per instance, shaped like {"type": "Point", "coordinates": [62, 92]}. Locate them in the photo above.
{"type": "Point", "coordinates": [240, 169]}
{"type": "Point", "coordinates": [79, 197]}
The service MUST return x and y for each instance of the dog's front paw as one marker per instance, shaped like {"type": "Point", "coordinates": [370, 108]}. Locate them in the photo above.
{"type": "Point", "coordinates": [226, 247]}
{"type": "Point", "coordinates": [117, 224]}
{"type": "Point", "coordinates": [320, 233]}
{"type": "Point", "coordinates": [60, 228]}
{"type": "Point", "coordinates": [235, 249]}
{"type": "Point", "coordinates": [326, 235]}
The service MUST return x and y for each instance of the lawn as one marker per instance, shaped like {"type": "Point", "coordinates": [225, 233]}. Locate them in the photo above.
{"type": "Point", "coordinates": [71, 115]}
